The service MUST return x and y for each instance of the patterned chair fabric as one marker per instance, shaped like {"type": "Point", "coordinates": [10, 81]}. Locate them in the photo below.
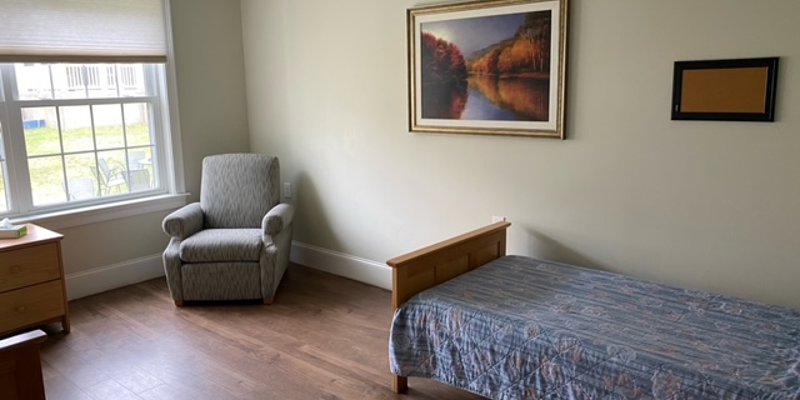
{"type": "Point", "coordinates": [233, 244]}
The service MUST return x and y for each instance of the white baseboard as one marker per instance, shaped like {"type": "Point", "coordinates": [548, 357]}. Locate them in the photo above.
{"type": "Point", "coordinates": [128, 272]}
{"type": "Point", "coordinates": [101, 279]}
{"type": "Point", "coordinates": [360, 269]}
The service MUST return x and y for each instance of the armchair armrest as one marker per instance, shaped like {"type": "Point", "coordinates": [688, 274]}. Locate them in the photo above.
{"type": "Point", "coordinates": [184, 221]}
{"type": "Point", "coordinates": [277, 219]}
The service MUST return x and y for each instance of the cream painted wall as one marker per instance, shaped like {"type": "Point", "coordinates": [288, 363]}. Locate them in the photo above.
{"type": "Point", "coordinates": [211, 86]}
{"type": "Point", "coordinates": [210, 81]}
{"type": "Point", "coordinates": [101, 244]}
{"type": "Point", "coordinates": [708, 205]}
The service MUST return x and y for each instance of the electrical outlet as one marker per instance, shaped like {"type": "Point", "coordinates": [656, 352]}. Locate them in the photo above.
{"type": "Point", "coordinates": [498, 218]}
{"type": "Point", "coordinates": [287, 190]}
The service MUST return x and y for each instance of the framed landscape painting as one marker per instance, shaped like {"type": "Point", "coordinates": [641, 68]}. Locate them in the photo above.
{"type": "Point", "coordinates": [488, 67]}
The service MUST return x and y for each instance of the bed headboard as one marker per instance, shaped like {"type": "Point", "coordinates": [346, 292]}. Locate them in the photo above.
{"type": "Point", "coordinates": [434, 264]}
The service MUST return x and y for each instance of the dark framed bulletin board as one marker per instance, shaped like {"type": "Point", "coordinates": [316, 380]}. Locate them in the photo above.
{"type": "Point", "coordinates": [725, 90]}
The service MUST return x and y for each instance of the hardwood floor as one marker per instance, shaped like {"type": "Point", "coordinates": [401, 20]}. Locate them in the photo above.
{"type": "Point", "coordinates": [325, 337]}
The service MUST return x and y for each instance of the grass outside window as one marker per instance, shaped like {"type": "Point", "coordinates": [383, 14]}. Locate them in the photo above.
{"type": "Point", "coordinates": [94, 168]}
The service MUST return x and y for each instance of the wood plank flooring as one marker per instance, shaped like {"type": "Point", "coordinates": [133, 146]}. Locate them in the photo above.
{"type": "Point", "coordinates": [325, 337]}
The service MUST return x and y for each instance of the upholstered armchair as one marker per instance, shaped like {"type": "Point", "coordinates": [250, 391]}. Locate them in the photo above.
{"type": "Point", "coordinates": [234, 243]}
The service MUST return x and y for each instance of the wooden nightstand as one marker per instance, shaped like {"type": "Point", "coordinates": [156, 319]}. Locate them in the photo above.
{"type": "Point", "coordinates": [32, 291]}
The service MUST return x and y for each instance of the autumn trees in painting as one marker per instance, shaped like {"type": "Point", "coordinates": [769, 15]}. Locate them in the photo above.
{"type": "Point", "coordinates": [444, 71]}
{"type": "Point", "coordinates": [527, 53]}
{"type": "Point", "coordinates": [442, 61]}
{"type": "Point", "coordinates": [519, 57]}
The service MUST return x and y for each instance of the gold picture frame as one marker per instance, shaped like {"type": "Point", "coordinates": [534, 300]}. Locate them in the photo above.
{"type": "Point", "coordinates": [488, 67]}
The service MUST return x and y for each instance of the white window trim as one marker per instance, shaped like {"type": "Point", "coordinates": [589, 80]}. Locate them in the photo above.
{"type": "Point", "coordinates": [173, 151]}
{"type": "Point", "coordinates": [106, 212]}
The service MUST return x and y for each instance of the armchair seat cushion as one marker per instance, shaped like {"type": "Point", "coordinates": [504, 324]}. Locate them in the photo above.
{"type": "Point", "coordinates": [221, 245]}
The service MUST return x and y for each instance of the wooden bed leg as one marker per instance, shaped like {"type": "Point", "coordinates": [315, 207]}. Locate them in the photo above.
{"type": "Point", "coordinates": [399, 384]}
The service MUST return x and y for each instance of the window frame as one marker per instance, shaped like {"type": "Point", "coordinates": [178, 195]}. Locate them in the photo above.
{"type": "Point", "coordinates": [165, 150]}
{"type": "Point", "coordinates": [171, 150]}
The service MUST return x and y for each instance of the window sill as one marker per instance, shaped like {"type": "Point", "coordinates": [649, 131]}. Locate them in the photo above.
{"type": "Point", "coordinates": [106, 212]}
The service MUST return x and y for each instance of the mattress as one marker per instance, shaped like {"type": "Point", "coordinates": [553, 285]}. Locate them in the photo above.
{"type": "Point", "coordinates": [521, 328]}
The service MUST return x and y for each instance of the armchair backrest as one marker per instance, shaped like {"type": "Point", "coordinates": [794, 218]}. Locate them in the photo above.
{"type": "Point", "coordinates": [237, 190]}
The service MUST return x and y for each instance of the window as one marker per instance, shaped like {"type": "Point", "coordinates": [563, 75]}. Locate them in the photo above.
{"type": "Point", "coordinates": [81, 143]}
{"type": "Point", "coordinates": [84, 115]}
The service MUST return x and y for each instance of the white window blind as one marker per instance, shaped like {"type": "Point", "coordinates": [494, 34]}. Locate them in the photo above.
{"type": "Point", "coordinates": [82, 31]}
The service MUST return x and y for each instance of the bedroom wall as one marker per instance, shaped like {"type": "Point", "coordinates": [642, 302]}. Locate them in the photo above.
{"type": "Point", "coordinates": [213, 117]}
{"type": "Point", "coordinates": [707, 205]}
{"type": "Point", "coordinates": [211, 86]}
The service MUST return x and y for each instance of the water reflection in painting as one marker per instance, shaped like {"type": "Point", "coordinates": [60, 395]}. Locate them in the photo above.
{"type": "Point", "coordinates": [487, 68]}
{"type": "Point", "coordinates": [444, 100]}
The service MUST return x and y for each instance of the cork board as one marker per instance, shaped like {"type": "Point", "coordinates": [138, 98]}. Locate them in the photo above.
{"type": "Point", "coordinates": [742, 89]}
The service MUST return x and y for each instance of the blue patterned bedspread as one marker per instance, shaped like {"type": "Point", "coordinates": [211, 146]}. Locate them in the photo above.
{"type": "Point", "coordinates": [520, 328]}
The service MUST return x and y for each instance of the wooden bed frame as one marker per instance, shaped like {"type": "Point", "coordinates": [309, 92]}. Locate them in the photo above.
{"type": "Point", "coordinates": [437, 263]}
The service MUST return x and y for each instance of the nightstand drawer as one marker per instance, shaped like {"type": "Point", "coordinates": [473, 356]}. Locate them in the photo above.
{"type": "Point", "coordinates": [28, 266]}
{"type": "Point", "coordinates": [31, 305]}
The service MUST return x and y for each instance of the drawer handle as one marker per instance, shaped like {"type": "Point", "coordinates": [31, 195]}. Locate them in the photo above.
{"type": "Point", "coordinates": [21, 309]}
